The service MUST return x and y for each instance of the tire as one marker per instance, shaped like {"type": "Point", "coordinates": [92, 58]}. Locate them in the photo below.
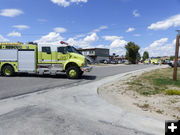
{"type": "Point", "coordinates": [73, 72]}
{"type": "Point", "coordinates": [81, 73]}
{"type": "Point", "coordinates": [8, 71]}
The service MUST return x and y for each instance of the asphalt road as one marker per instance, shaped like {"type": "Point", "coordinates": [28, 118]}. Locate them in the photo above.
{"type": "Point", "coordinates": [24, 83]}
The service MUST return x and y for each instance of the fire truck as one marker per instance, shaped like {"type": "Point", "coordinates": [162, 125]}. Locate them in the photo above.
{"type": "Point", "coordinates": [42, 59]}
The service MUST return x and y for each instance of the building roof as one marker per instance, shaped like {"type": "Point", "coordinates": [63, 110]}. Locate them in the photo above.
{"type": "Point", "coordinates": [87, 49]}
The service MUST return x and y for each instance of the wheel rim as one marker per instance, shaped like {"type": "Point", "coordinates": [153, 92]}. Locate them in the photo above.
{"type": "Point", "coordinates": [72, 73]}
{"type": "Point", "coordinates": [7, 71]}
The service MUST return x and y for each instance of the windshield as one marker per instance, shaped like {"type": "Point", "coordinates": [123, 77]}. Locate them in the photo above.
{"type": "Point", "coordinates": [72, 49]}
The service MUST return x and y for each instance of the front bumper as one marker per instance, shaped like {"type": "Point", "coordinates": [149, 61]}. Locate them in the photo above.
{"type": "Point", "coordinates": [87, 69]}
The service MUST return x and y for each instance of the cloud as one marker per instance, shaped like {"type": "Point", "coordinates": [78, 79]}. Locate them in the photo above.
{"type": "Point", "coordinates": [10, 12]}
{"type": "Point", "coordinates": [2, 39]}
{"type": "Point", "coordinates": [52, 37]}
{"type": "Point", "coordinates": [137, 35]}
{"type": "Point", "coordinates": [130, 29]}
{"type": "Point", "coordinates": [79, 41]}
{"type": "Point", "coordinates": [99, 29]}
{"type": "Point", "coordinates": [42, 20]}
{"type": "Point", "coordinates": [118, 43]}
{"type": "Point", "coordinates": [160, 47]}
{"type": "Point", "coordinates": [63, 3]}
{"type": "Point", "coordinates": [112, 38]}
{"type": "Point", "coordinates": [14, 34]}
{"type": "Point", "coordinates": [93, 37]}
{"type": "Point", "coordinates": [21, 27]}
{"type": "Point", "coordinates": [158, 43]}
{"type": "Point", "coordinates": [66, 3]}
{"type": "Point", "coordinates": [78, 1]}
{"type": "Point", "coordinates": [118, 47]}
{"type": "Point", "coordinates": [60, 30]}
{"type": "Point", "coordinates": [85, 42]}
{"type": "Point", "coordinates": [136, 13]}
{"type": "Point", "coordinates": [172, 21]}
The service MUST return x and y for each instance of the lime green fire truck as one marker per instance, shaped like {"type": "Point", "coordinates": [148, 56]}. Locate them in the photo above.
{"type": "Point", "coordinates": [42, 59]}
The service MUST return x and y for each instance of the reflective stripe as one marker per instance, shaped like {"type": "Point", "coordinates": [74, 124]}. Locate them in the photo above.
{"type": "Point", "coordinates": [61, 60]}
{"type": "Point", "coordinates": [51, 61]}
{"type": "Point", "coordinates": [47, 60]}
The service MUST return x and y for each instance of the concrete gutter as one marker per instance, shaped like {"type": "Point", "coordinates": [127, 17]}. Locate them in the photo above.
{"type": "Point", "coordinates": [84, 101]}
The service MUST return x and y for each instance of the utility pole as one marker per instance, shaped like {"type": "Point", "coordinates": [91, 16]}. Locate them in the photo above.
{"type": "Point", "coordinates": [176, 56]}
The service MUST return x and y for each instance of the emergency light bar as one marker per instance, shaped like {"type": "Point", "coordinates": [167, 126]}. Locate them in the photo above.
{"type": "Point", "coordinates": [62, 42]}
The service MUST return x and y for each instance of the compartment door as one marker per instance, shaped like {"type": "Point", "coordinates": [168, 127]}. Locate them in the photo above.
{"type": "Point", "coordinates": [8, 55]}
{"type": "Point", "coordinates": [26, 60]}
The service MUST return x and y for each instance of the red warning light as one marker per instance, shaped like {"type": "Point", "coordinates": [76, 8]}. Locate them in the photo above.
{"type": "Point", "coordinates": [62, 42]}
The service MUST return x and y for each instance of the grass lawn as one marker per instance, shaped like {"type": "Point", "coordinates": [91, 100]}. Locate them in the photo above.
{"type": "Point", "coordinates": [156, 82]}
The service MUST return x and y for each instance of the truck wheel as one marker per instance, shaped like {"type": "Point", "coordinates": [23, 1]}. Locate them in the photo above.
{"type": "Point", "coordinates": [7, 70]}
{"type": "Point", "coordinates": [73, 72]}
{"type": "Point", "coordinates": [80, 73]}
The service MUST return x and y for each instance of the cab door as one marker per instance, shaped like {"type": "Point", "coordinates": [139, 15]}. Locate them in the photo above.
{"type": "Point", "coordinates": [46, 54]}
{"type": "Point", "coordinates": [62, 54]}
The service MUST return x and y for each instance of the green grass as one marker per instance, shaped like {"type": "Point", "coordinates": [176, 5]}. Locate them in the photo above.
{"type": "Point", "coordinates": [172, 92]}
{"type": "Point", "coordinates": [166, 81]}
{"type": "Point", "coordinates": [156, 82]}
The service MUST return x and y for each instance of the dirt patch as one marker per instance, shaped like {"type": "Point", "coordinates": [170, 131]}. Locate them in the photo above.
{"type": "Point", "coordinates": [160, 106]}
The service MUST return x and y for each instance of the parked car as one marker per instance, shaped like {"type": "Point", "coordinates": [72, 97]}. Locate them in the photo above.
{"type": "Point", "coordinates": [102, 61]}
{"type": "Point", "coordinates": [165, 61]}
{"type": "Point", "coordinates": [114, 62]}
{"type": "Point", "coordinates": [120, 61]}
{"type": "Point", "coordinates": [127, 62]}
{"type": "Point", "coordinates": [106, 61]}
{"type": "Point", "coordinates": [172, 63]}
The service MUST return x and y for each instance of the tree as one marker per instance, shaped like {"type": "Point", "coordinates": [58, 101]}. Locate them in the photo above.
{"type": "Point", "coordinates": [132, 52]}
{"type": "Point", "coordinates": [172, 58]}
{"type": "Point", "coordinates": [138, 56]}
{"type": "Point", "coordinates": [145, 55]}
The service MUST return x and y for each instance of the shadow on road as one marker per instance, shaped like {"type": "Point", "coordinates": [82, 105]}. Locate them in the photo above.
{"type": "Point", "coordinates": [59, 76]}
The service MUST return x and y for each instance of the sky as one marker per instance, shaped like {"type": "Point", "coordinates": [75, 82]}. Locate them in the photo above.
{"type": "Point", "coordinates": [151, 24]}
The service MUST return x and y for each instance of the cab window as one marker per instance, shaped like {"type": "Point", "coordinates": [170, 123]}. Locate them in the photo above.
{"type": "Point", "coordinates": [62, 50]}
{"type": "Point", "coordinates": [46, 49]}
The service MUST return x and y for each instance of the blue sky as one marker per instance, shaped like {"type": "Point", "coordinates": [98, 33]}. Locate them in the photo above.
{"type": "Point", "coordinates": [93, 23]}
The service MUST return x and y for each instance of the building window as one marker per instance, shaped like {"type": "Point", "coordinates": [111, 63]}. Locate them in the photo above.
{"type": "Point", "coordinates": [85, 53]}
{"type": "Point", "coordinates": [91, 52]}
